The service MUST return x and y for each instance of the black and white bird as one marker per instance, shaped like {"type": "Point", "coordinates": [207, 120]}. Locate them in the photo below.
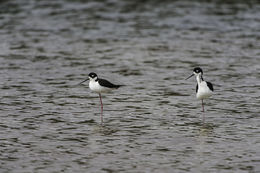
{"type": "Point", "coordinates": [99, 86]}
{"type": "Point", "coordinates": [204, 89]}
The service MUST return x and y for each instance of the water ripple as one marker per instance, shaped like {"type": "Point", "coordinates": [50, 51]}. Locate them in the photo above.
{"type": "Point", "coordinates": [154, 123]}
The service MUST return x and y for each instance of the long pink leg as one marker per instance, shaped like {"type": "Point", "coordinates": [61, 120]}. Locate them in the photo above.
{"type": "Point", "coordinates": [101, 104]}
{"type": "Point", "coordinates": [203, 110]}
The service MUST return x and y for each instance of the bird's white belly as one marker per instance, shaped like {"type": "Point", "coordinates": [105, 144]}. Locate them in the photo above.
{"type": "Point", "coordinates": [94, 86]}
{"type": "Point", "coordinates": [203, 91]}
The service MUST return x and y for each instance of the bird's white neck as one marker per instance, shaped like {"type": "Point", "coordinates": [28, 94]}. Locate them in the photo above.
{"type": "Point", "coordinates": [199, 78]}
{"type": "Point", "coordinates": [95, 79]}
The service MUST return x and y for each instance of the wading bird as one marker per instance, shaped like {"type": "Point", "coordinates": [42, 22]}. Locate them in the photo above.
{"type": "Point", "coordinates": [99, 86]}
{"type": "Point", "coordinates": [204, 89]}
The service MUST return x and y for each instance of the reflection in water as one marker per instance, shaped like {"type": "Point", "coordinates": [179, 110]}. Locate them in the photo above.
{"type": "Point", "coordinates": [105, 130]}
{"type": "Point", "coordinates": [153, 124]}
{"type": "Point", "coordinates": [202, 149]}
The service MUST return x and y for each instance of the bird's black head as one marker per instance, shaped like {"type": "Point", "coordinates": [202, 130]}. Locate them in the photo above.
{"type": "Point", "coordinates": [92, 75]}
{"type": "Point", "coordinates": [197, 70]}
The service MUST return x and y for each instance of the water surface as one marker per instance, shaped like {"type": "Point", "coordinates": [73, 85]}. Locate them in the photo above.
{"type": "Point", "coordinates": [154, 124]}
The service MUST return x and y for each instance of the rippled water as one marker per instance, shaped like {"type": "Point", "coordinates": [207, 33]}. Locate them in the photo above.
{"type": "Point", "coordinates": [154, 124]}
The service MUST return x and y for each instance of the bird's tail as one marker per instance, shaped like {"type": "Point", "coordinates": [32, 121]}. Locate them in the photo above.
{"type": "Point", "coordinates": [117, 86]}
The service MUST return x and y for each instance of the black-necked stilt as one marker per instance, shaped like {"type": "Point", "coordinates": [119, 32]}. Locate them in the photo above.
{"type": "Point", "coordinates": [100, 86]}
{"type": "Point", "coordinates": [204, 89]}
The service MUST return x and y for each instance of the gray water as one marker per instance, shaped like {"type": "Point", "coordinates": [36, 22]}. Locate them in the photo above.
{"type": "Point", "coordinates": [154, 124]}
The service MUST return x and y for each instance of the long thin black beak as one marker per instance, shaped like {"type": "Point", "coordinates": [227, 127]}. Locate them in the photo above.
{"type": "Point", "coordinates": [190, 76]}
{"type": "Point", "coordinates": [83, 81]}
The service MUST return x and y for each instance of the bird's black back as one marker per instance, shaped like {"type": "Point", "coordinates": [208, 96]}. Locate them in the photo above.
{"type": "Point", "coordinates": [210, 86]}
{"type": "Point", "coordinates": [105, 83]}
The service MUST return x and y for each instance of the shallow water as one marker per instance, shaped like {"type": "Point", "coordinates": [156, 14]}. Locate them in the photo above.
{"type": "Point", "coordinates": [154, 124]}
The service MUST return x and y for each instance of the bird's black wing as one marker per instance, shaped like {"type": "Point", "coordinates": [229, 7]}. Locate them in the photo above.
{"type": "Point", "coordinates": [197, 88]}
{"type": "Point", "coordinates": [210, 86]}
{"type": "Point", "coordinates": [105, 83]}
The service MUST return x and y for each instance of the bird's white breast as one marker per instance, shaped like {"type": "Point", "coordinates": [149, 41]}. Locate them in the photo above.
{"type": "Point", "coordinates": [94, 86]}
{"type": "Point", "coordinates": [203, 91]}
